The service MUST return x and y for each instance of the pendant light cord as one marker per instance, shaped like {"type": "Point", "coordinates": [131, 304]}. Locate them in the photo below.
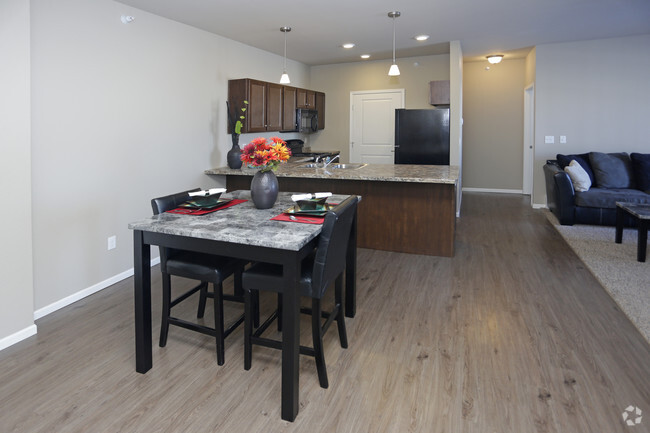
{"type": "Point", "coordinates": [393, 39]}
{"type": "Point", "coordinates": [285, 51]}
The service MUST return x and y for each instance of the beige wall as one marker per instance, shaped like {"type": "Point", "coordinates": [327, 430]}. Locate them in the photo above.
{"type": "Point", "coordinates": [16, 287]}
{"type": "Point", "coordinates": [120, 114]}
{"type": "Point", "coordinates": [493, 125]}
{"type": "Point", "coordinates": [337, 81]}
{"type": "Point", "coordinates": [594, 92]}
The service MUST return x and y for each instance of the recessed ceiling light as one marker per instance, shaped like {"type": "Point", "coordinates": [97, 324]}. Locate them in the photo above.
{"type": "Point", "coordinates": [365, 56]}
{"type": "Point", "coordinates": [421, 37]}
{"type": "Point", "coordinates": [348, 46]}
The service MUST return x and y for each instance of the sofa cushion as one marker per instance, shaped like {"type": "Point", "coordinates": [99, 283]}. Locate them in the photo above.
{"type": "Point", "coordinates": [582, 159]}
{"type": "Point", "coordinates": [612, 170]}
{"type": "Point", "coordinates": [578, 175]}
{"type": "Point", "coordinates": [641, 169]}
{"type": "Point", "coordinates": [607, 197]}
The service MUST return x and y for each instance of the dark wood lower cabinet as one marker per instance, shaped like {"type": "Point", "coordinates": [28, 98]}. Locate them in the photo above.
{"type": "Point", "coordinates": [407, 217]}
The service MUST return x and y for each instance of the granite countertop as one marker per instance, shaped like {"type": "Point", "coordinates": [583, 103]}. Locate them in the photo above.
{"type": "Point", "coordinates": [445, 174]}
{"type": "Point", "coordinates": [241, 224]}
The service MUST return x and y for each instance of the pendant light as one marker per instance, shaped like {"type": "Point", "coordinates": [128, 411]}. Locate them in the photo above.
{"type": "Point", "coordinates": [394, 70]}
{"type": "Point", "coordinates": [285, 77]}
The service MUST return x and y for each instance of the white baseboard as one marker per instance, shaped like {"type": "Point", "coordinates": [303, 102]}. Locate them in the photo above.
{"type": "Point", "coordinates": [539, 206]}
{"type": "Point", "coordinates": [16, 337]}
{"type": "Point", "coordinates": [41, 312]}
{"type": "Point", "coordinates": [500, 191]}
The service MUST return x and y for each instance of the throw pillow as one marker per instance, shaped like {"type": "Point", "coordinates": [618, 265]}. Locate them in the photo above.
{"type": "Point", "coordinates": [612, 170]}
{"type": "Point", "coordinates": [641, 169]}
{"type": "Point", "coordinates": [582, 159]}
{"type": "Point", "coordinates": [579, 176]}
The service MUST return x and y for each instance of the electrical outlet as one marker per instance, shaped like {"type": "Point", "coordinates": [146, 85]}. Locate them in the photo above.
{"type": "Point", "coordinates": [549, 139]}
{"type": "Point", "coordinates": [112, 242]}
{"type": "Point", "coordinates": [562, 139]}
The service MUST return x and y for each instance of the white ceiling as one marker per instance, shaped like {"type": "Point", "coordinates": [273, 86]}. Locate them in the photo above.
{"type": "Point", "coordinates": [319, 28]}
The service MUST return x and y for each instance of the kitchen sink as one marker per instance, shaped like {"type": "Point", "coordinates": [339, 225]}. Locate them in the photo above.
{"type": "Point", "coordinates": [335, 166]}
{"type": "Point", "coordinates": [347, 166]}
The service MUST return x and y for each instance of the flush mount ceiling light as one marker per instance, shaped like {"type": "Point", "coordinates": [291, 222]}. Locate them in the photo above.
{"type": "Point", "coordinates": [394, 70]}
{"type": "Point", "coordinates": [348, 46]}
{"type": "Point", "coordinates": [495, 58]}
{"type": "Point", "coordinates": [284, 79]}
{"type": "Point", "coordinates": [365, 56]}
{"type": "Point", "coordinates": [421, 38]}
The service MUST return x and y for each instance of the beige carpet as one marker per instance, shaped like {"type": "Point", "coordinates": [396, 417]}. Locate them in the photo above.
{"type": "Point", "coordinates": [615, 266]}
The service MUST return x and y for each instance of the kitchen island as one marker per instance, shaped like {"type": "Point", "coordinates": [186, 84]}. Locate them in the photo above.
{"type": "Point", "coordinates": [405, 208]}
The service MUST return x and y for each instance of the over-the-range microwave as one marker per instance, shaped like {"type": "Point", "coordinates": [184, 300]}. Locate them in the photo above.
{"type": "Point", "coordinates": [306, 120]}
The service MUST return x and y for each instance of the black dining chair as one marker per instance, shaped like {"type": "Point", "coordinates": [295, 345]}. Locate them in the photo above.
{"type": "Point", "coordinates": [206, 268]}
{"type": "Point", "coordinates": [323, 266]}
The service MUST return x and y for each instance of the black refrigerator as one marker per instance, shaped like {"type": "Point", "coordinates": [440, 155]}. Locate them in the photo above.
{"type": "Point", "coordinates": [422, 136]}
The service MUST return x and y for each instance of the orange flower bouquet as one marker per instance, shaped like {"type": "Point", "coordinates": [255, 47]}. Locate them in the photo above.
{"type": "Point", "coordinates": [265, 154]}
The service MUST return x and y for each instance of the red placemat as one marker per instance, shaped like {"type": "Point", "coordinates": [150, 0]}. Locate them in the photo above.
{"type": "Point", "coordinates": [187, 211]}
{"type": "Point", "coordinates": [299, 219]}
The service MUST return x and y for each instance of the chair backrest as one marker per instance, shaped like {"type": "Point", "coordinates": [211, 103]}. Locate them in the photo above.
{"type": "Point", "coordinates": [172, 201]}
{"type": "Point", "coordinates": [332, 245]}
{"type": "Point", "coordinates": [163, 204]}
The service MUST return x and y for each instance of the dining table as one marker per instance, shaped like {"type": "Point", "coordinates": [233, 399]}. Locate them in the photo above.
{"type": "Point", "coordinates": [241, 231]}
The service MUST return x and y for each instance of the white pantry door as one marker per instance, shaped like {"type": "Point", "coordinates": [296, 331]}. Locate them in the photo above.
{"type": "Point", "coordinates": [372, 125]}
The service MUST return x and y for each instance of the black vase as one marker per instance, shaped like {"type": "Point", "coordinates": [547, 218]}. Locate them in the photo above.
{"type": "Point", "coordinates": [264, 189]}
{"type": "Point", "coordinates": [234, 154]}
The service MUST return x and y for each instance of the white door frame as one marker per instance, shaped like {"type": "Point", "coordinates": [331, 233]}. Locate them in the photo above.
{"type": "Point", "coordinates": [401, 92]}
{"type": "Point", "coordinates": [529, 140]}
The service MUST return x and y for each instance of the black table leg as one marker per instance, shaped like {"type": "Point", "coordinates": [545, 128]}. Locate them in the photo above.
{"type": "Point", "coordinates": [142, 296]}
{"type": "Point", "coordinates": [351, 272]}
{"type": "Point", "coordinates": [619, 224]}
{"type": "Point", "coordinates": [643, 240]}
{"type": "Point", "coordinates": [290, 341]}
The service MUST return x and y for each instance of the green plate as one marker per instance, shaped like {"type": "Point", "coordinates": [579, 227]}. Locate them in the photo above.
{"type": "Point", "coordinates": [295, 210]}
{"type": "Point", "coordinates": [205, 203]}
{"type": "Point", "coordinates": [317, 204]}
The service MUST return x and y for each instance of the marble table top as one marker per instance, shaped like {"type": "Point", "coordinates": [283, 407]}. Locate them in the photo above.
{"type": "Point", "coordinates": [641, 211]}
{"type": "Point", "coordinates": [240, 224]}
{"type": "Point", "coordinates": [445, 174]}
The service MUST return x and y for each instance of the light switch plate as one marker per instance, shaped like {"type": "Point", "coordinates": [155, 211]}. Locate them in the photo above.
{"type": "Point", "coordinates": [549, 139]}
{"type": "Point", "coordinates": [563, 139]}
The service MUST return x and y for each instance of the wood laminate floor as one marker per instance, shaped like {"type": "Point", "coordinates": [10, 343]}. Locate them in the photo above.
{"type": "Point", "coordinates": [513, 334]}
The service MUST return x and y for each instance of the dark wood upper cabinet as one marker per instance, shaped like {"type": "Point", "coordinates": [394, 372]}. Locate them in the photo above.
{"type": "Point", "coordinates": [439, 92]}
{"type": "Point", "coordinates": [289, 109]}
{"type": "Point", "coordinates": [271, 107]}
{"type": "Point", "coordinates": [274, 109]}
{"type": "Point", "coordinates": [256, 112]}
{"type": "Point", "coordinates": [320, 107]}
{"type": "Point", "coordinates": [264, 109]}
{"type": "Point", "coordinates": [306, 99]}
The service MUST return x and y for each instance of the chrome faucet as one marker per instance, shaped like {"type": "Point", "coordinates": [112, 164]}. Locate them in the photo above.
{"type": "Point", "coordinates": [329, 160]}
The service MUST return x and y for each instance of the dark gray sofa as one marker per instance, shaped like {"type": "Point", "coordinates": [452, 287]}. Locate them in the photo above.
{"type": "Point", "coordinates": [624, 182]}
